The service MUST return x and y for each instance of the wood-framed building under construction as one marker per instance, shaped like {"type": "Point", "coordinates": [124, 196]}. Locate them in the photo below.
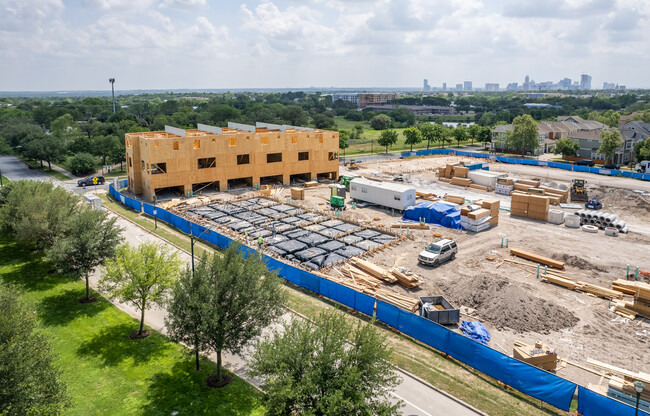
{"type": "Point", "coordinates": [239, 155]}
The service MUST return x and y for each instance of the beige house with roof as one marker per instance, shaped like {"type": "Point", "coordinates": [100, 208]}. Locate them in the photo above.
{"type": "Point", "coordinates": [216, 158]}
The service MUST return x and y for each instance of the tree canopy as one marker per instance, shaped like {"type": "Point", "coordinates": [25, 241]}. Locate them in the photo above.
{"type": "Point", "coordinates": [141, 276]}
{"type": "Point", "coordinates": [610, 141]}
{"type": "Point", "coordinates": [29, 381]}
{"type": "Point", "coordinates": [412, 136]}
{"type": "Point", "coordinates": [224, 304]}
{"type": "Point", "coordinates": [566, 147]}
{"type": "Point", "coordinates": [326, 367]}
{"type": "Point", "coordinates": [387, 138]}
{"type": "Point", "coordinates": [525, 134]}
{"type": "Point", "coordinates": [381, 122]}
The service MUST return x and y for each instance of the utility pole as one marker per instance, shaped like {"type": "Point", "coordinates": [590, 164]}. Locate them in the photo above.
{"type": "Point", "coordinates": [112, 81]}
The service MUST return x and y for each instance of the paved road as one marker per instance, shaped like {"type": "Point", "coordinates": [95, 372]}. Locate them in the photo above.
{"type": "Point", "coordinates": [420, 399]}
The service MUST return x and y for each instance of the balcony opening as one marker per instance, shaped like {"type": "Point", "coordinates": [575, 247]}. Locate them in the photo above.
{"type": "Point", "coordinates": [243, 159]}
{"type": "Point", "coordinates": [303, 156]}
{"type": "Point", "coordinates": [273, 157]}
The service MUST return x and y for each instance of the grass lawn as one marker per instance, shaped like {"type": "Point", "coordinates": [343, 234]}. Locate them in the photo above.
{"type": "Point", "coordinates": [5, 180]}
{"type": "Point", "coordinates": [120, 173]}
{"type": "Point", "coordinates": [106, 372]}
{"type": "Point", "coordinates": [54, 173]}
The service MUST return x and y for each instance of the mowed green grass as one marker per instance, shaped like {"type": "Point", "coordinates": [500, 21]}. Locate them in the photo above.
{"type": "Point", "coordinates": [106, 372]}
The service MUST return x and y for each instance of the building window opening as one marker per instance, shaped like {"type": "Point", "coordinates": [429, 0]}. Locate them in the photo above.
{"type": "Point", "coordinates": [197, 144]}
{"type": "Point", "coordinates": [274, 157]}
{"type": "Point", "coordinates": [207, 162]}
{"type": "Point", "coordinates": [294, 139]}
{"type": "Point", "coordinates": [175, 145]}
{"type": "Point", "coordinates": [232, 141]}
{"type": "Point", "coordinates": [142, 161]}
{"type": "Point", "coordinates": [158, 168]}
{"type": "Point", "coordinates": [332, 156]}
{"type": "Point", "coordinates": [303, 156]}
{"type": "Point", "coordinates": [264, 140]}
{"type": "Point", "coordinates": [243, 159]}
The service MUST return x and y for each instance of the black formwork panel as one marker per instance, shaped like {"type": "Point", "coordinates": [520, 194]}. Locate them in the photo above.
{"type": "Point", "coordinates": [349, 251]}
{"type": "Point", "coordinates": [311, 265]}
{"type": "Point", "coordinates": [384, 238]}
{"type": "Point", "coordinates": [291, 220]}
{"type": "Point", "coordinates": [225, 220]}
{"type": "Point", "coordinates": [332, 223]}
{"type": "Point", "coordinates": [277, 251]}
{"type": "Point", "coordinates": [239, 226]}
{"type": "Point", "coordinates": [367, 244]}
{"type": "Point", "coordinates": [273, 240]}
{"type": "Point", "coordinates": [260, 232]}
{"type": "Point", "coordinates": [252, 217]}
{"type": "Point", "coordinates": [308, 254]}
{"type": "Point", "coordinates": [313, 239]}
{"type": "Point", "coordinates": [310, 216]}
{"type": "Point", "coordinates": [367, 234]}
{"type": "Point", "coordinates": [331, 245]}
{"type": "Point", "coordinates": [346, 227]}
{"type": "Point", "coordinates": [269, 212]}
{"type": "Point", "coordinates": [214, 215]}
{"type": "Point", "coordinates": [279, 227]}
{"type": "Point", "coordinates": [331, 232]}
{"type": "Point", "coordinates": [294, 234]}
{"type": "Point", "coordinates": [282, 208]}
{"type": "Point", "coordinates": [351, 239]}
{"type": "Point", "coordinates": [291, 246]}
{"type": "Point", "coordinates": [229, 209]}
{"type": "Point", "coordinates": [332, 259]}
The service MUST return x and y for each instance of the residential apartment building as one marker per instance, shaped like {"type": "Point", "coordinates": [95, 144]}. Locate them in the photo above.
{"type": "Point", "coordinates": [375, 99]}
{"type": "Point", "coordinates": [187, 161]}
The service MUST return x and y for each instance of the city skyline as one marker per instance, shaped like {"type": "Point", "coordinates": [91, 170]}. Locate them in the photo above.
{"type": "Point", "coordinates": [51, 45]}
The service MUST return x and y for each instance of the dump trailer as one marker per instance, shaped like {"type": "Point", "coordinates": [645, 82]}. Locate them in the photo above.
{"type": "Point", "coordinates": [386, 194]}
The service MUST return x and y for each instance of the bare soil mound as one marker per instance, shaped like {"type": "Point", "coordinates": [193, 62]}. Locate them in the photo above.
{"type": "Point", "coordinates": [579, 262]}
{"type": "Point", "coordinates": [506, 305]}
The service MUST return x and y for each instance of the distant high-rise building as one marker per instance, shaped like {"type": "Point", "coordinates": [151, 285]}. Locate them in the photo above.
{"type": "Point", "coordinates": [565, 83]}
{"type": "Point", "coordinates": [492, 86]}
{"type": "Point", "coordinates": [459, 87]}
{"type": "Point", "coordinates": [426, 87]}
{"type": "Point", "coordinates": [609, 86]}
{"type": "Point", "coordinates": [585, 82]}
{"type": "Point", "coordinates": [467, 86]}
{"type": "Point", "coordinates": [527, 83]}
{"type": "Point", "coordinates": [513, 86]}
{"type": "Point", "coordinates": [444, 86]}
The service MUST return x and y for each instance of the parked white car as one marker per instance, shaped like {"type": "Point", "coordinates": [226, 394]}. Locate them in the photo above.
{"type": "Point", "coordinates": [438, 252]}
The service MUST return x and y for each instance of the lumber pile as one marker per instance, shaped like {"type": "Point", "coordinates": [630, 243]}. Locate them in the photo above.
{"type": "Point", "coordinates": [411, 225]}
{"type": "Point", "coordinates": [298, 193]}
{"type": "Point", "coordinates": [533, 183]}
{"type": "Point", "coordinates": [406, 279]}
{"type": "Point", "coordinates": [628, 375]}
{"type": "Point", "coordinates": [641, 293]}
{"type": "Point", "coordinates": [599, 291]}
{"type": "Point", "coordinates": [626, 286]}
{"type": "Point", "coordinates": [460, 181]}
{"type": "Point", "coordinates": [493, 206]}
{"type": "Point", "coordinates": [621, 309]}
{"type": "Point", "coordinates": [479, 187]}
{"type": "Point", "coordinates": [537, 258]}
{"type": "Point", "coordinates": [561, 281]}
{"type": "Point", "coordinates": [403, 302]}
{"type": "Point", "coordinates": [429, 196]}
{"type": "Point", "coordinates": [311, 184]}
{"type": "Point", "coordinates": [360, 277]}
{"type": "Point", "coordinates": [538, 355]}
{"type": "Point", "coordinates": [460, 200]}
{"type": "Point", "coordinates": [373, 270]}
{"type": "Point", "coordinates": [538, 207]}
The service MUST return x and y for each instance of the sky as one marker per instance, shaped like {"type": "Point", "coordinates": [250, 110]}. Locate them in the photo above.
{"type": "Point", "coordinates": [57, 45]}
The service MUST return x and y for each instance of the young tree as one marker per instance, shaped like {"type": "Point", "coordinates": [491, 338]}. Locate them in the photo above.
{"type": "Point", "coordinates": [87, 239]}
{"type": "Point", "coordinates": [141, 276]}
{"type": "Point", "coordinates": [344, 137]}
{"type": "Point", "coordinates": [642, 150]}
{"type": "Point", "coordinates": [525, 134]}
{"type": "Point", "coordinates": [224, 304]}
{"type": "Point", "coordinates": [610, 141]}
{"type": "Point", "coordinates": [82, 163]}
{"type": "Point", "coordinates": [412, 135]}
{"type": "Point", "coordinates": [459, 133]}
{"type": "Point", "coordinates": [328, 367]}
{"type": "Point", "coordinates": [484, 135]}
{"type": "Point", "coordinates": [427, 131]}
{"type": "Point", "coordinates": [438, 133]}
{"type": "Point", "coordinates": [103, 146]}
{"type": "Point", "coordinates": [566, 147]}
{"type": "Point", "coordinates": [29, 381]}
{"type": "Point", "coordinates": [473, 131]}
{"type": "Point", "coordinates": [387, 138]}
{"type": "Point", "coordinates": [381, 122]}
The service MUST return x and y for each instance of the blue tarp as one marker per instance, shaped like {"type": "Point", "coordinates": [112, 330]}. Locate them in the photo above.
{"type": "Point", "coordinates": [441, 213]}
{"type": "Point", "coordinates": [593, 404]}
{"type": "Point", "coordinates": [476, 331]}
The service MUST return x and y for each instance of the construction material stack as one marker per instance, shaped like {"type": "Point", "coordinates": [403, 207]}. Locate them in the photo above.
{"type": "Point", "coordinates": [504, 186]}
{"type": "Point", "coordinates": [640, 305]}
{"type": "Point", "coordinates": [298, 194]}
{"type": "Point", "coordinates": [530, 206]}
{"type": "Point", "coordinates": [475, 220]}
{"type": "Point", "coordinates": [539, 355]}
{"type": "Point", "coordinates": [519, 205]}
{"type": "Point", "coordinates": [621, 384]}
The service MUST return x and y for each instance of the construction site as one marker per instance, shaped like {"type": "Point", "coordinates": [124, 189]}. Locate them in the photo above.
{"type": "Point", "coordinates": [558, 285]}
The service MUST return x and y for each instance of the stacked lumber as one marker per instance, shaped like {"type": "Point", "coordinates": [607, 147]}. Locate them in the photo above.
{"type": "Point", "coordinates": [460, 181]}
{"type": "Point", "coordinates": [311, 184]}
{"type": "Point", "coordinates": [625, 286]}
{"type": "Point", "coordinates": [519, 205]}
{"type": "Point", "coordinates": [533, 183]}
{"type": "Point", "coordinates": [599, 291]}
{"type": "Point", "coordinates": [563, 195]}
{"type": "Point", "coordinates": [629, 375]}
{"type": "Point", "coordinates": [627, 387]}
{"type": "Point", "coordinates": [406, 279]}
{"type": "Point", "coordinates": [360, 277]}
{"type": "Point", "coordinates": [403, 302]}
{"type": "Point", "coordinates": [522, 187]}
{"type": "Point", "coordinates": [493, 206]}
{"type": "Point", "coordinates": [538, 207]}
{"type": "Point", "coordinates": [538, 355]}
{"type": "Point", "coordinates": [621, 309]}
{"type": "Point", "coordinates": [459, 172]}
{"type": "Point", "coordinates": [479, 187]}
{"type": "Point", "coordinates": [429, 196]}
{"type": "Point", "coordinates": [445, 180]}
{"type": "Point", "coordinates": [373, 270]}
{"type": "Point", "coordinates": [411, 225]}
{"type": "Point", "coordinates": [641, 293]}
{"type": "Point", "coordinates": [460, 200]}
{"type": "Point", "coordinates": [561, 281]}
{"type": "Point", "coordinates": [298, 193]}
{"type": "Point", "coordinates": [537, 258]}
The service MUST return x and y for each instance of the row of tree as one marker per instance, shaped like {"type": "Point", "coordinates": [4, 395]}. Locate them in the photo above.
{"type": "Point", "coordinates": [222, 304]}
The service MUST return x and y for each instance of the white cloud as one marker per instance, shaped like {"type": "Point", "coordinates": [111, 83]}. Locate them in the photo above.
{"type": "Point", "coordinates": [183, 4]}
{"type": "Point", "coordinates": [21, 15]}
{"type": "Point", "coordinates": [120, 5]}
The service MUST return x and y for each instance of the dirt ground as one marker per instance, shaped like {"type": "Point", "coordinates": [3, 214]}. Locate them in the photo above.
{"type": "Point", "coordinates": [509, 299]}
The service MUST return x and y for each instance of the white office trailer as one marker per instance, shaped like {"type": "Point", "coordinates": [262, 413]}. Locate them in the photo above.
{"type": "Point", "coordinates": [485, 178]}
{"type": "Point", "coordinates": [391, 195]}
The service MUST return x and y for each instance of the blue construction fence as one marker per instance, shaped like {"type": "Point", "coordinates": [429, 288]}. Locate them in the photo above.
{"type": "Point", "coordinates": [530, 380]}
{"type": "Point", "coordinates": [517, 161]}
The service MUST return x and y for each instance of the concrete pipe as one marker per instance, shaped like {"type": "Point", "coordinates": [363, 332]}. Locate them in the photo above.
{"type": "Point", "coordinates": [625, 230]}
{"type": "Point", "coordinates": [601, 216]}
{"type": "Point", "coordinates": [589, 229]}
{"type": "Point", "coordinates": [611, 231]}
{"type": "Point", "coordinates": [589, 215]}
{"type": "Point", "coordinates": [620, 224]}
{"type": "Point", "coordinates": [572, 221]}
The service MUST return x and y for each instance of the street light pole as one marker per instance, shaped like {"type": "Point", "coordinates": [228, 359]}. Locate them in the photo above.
{"type": "Point", "coordinates": [638, 388]}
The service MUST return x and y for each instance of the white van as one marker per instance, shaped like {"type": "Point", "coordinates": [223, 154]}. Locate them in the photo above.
{"type": "Point", "coordinates": [643, 167]}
